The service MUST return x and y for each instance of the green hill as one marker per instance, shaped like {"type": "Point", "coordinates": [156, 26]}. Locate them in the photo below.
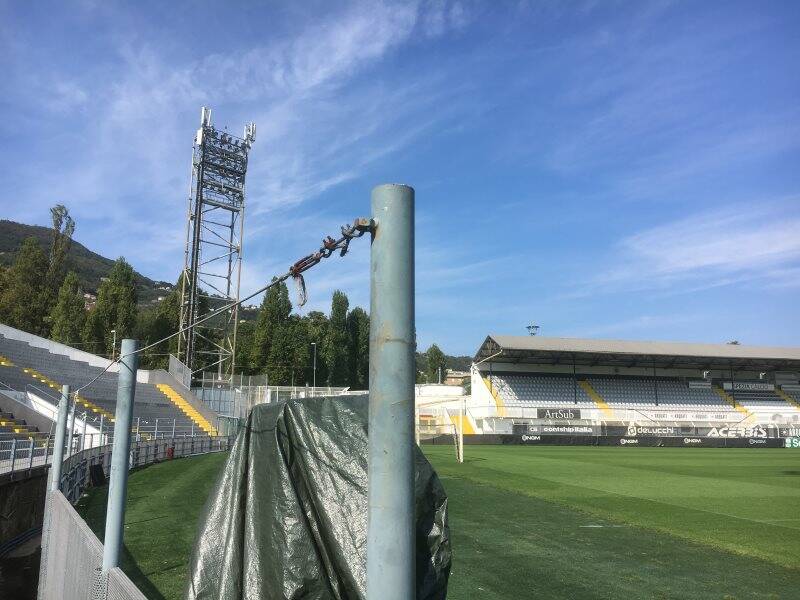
{"type": "Point", "coordinates": [89, 266]}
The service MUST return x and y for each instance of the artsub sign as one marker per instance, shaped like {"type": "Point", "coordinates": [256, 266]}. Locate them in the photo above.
{"type": "Point", "coordinates": [560, 414]}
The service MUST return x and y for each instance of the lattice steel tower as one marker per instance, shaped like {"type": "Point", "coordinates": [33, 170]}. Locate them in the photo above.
{"type": "Point", "coordinates": [213, 256]}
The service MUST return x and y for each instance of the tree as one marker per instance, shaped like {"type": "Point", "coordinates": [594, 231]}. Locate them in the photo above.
{"type": "Point", "coordinates": [272, 319]}
{"type": "Point", "coordinates": [317, 331]}
{"type": "Point", "coordinates": [245, 337]}
{"type": "Point", "coordinates": [358, 350]}
{"type": "Point", "coordinates": [289, 353]}
{"type": "Point", "coordinates": [336, 342]}
{"type": "Point", "coordinates": [63, 228]}
{"type": "Point", "coordinates": [115, 309]}
{"type": "Point", "coordinates": [24, 303]}
{"type": "Point", "coordinates": [436, 364]}
{"type": "Point", "coordinates": [68, 315]}
{"type": "Point", "coordinates": [156, 323]}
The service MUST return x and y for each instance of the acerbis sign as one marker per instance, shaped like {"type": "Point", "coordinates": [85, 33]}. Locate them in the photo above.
{"type": "Point", "coordinates": [757, 431]}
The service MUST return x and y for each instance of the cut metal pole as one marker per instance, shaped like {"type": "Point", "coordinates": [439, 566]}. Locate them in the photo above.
{"type": "Point", "coordinates": [61, 433]}
{"type": "Point", "coordinates": [391, 526]}
{"type": "Point", "coordinates": [118, 475]}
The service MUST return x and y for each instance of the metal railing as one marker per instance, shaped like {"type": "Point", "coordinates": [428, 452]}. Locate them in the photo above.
{"type": "Point", "coordinates": [19, 454]}
{"type": "Point", "coordinates": [76, 472]}
{"type": "Point", "coordinates": [238, 400]}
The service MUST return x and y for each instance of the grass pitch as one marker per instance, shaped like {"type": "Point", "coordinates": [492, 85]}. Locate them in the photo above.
{"type": "Point", "coordinates": [548, 522]}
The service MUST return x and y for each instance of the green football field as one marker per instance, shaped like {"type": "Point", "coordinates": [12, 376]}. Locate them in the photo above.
{"type": "Point", "coordinates": [549, 522]}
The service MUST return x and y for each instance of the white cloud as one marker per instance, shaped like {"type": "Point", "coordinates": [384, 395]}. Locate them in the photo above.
{"type": "Point", "coordinates": [738, 245]}
{"type": "Point", "coordinates": [321, 122]}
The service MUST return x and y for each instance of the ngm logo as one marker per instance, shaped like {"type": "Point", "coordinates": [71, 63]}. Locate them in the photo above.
{"type": "Point", "coordinates": [625, 442]}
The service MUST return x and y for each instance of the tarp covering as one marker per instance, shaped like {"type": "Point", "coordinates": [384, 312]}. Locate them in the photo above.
{"type": "Point", "coordinates": [288, 515]}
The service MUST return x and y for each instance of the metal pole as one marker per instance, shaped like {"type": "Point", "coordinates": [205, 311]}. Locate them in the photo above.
{"type": "Point", "coordinates": [83, 435]}
{"type": "Point", "coordinates": [315, 367]}
{"type": "Point", "coordinates": [391, 534]}
{"type": "Point", "coordinates": [155, 433]}
{"type": "Point", "coordinates": [461, 429]}
{"type": "Point", "coordinates": [13, 453]}
{"type": "Point", "coordinates": [30, 458]}
{"type": "Point", "coordinates": [118, 475]}
{"type": "Point", "coordinates": [73, 409]}
{"type": "Point", "coordinates": [61, 433]}
{"type": "Point", "coordinates": [102, 418]}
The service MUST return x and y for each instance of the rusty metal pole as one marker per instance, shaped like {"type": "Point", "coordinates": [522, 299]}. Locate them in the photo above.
{"type": "Point", "coordinates": [391, 525]}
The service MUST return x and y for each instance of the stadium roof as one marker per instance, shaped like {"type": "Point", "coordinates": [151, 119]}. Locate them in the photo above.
{"type": "Point", "coordinates": [538, 350]}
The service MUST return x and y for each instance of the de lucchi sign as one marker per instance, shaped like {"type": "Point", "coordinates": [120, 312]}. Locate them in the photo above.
{"type": "Point", "coordinates": [558, 413]}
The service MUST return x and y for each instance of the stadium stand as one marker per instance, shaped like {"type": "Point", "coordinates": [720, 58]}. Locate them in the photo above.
{"type": "Point", "coordinates": [11, 427]}
{"type": "Point", "coordinates": [666, 393]}
{"type": "Point", "coordinates": [620, 380]}
{"type": "Point", "coordinates": [25, 367]}
{"type": "Point", "coordinates": [524, 390]}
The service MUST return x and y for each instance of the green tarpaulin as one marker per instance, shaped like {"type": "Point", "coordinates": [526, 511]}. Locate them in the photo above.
{"type": "Point", "coordinates": [288, 516]}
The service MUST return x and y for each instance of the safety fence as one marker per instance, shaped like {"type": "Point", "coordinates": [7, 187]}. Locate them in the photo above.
{"type": "Point", "coordinates": [72, 556]}
{"type": "Point", "coordinates": [19, 453]}
{"type": "Point", "coordinates": [237, 396]}
{"type": "Point", "coordinates": [77, 469]}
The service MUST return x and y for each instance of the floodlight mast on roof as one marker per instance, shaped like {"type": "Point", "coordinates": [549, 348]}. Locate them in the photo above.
{"type": "Point", "coordinates": [532, 329]}
{"type": "Point", "coordinates": [213, 253]}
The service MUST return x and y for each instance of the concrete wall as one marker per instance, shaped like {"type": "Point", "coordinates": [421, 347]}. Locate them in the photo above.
{"type": "Point", "coordinates": [21, 502]}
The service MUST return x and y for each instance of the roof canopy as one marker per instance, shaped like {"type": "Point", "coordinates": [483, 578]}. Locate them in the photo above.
{"type": "Point", "coordinates": [619, 353]}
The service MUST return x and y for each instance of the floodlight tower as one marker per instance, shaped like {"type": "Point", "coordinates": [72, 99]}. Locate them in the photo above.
{"type": "Point", "coordinates": [213, 255]}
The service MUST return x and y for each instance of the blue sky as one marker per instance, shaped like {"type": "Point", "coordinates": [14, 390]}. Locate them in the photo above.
{"type": "Point", "coordinates": [604, 169]}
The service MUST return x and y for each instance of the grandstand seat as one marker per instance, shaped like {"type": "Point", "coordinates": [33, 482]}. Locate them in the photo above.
{"type": "Point", "coordinates": [27, 368]}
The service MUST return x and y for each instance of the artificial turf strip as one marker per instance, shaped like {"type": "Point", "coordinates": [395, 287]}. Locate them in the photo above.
{"type": "Point", "coordinates": [519, 517]}
{"type": "Point", "coordinates": [163, 507]}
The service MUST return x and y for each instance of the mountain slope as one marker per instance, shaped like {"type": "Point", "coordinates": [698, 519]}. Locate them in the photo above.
{"type": "Point", "coordinates": [88, 265]}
